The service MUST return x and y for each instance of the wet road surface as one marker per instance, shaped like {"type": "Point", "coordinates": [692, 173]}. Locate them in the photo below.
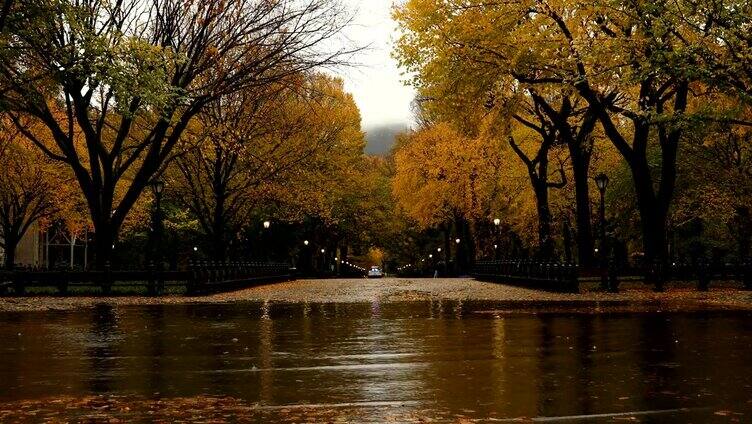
{"type": "Point", "coordinates": [417, 361]}
{"type": "Point", "coordinates": [633, 295]}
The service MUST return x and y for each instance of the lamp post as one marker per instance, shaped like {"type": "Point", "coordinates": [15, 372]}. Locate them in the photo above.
{"type": "Point", "coordinates": [157, 187]}
{"type": "Point", "coordinates": [305, 258]}
{"type": "Point", "coordinates": [324, 261]}
{"type": "Point", "coordinates": [601, 181]}
{"type": "Point", "coordinates": [266, 239]}
{"type": "Point", "coordinates": [459, 262]}
{"type": "Point", "coordinates": [497, 224]}
{"type": "Point", "coordinates": [567, 240]}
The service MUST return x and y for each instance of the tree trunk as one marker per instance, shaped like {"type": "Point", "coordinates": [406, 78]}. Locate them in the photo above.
{"type": "Point", "coordinates": [545, 242]}
{"type": "Point", "coordinates": [470, 246]}
{"type": "Point", "coordinates": [653, 207]}
{"type": "Point", "coordinates": [567, 232]}
{"type": "Point", "coordinates": [218, 236]}
{"type": "Point", "coordinates": [219, 245]}
{"type": "Point", "coordinates": [580, 168]}
{"type": "Point", "coordinates": [10, 252]}
{"type": "Point", "coordinates": [104, 240]}
{"type": "Point", "coordinates": [106, 227]}
{"type": "Point", "coordinates": [577, 139]}
{"type": "Point", "coordinates": [72, 246]}
{"type": "Point", "coordinates": [652, 217]}
{"type": "Point", "coordinates": [537, 170]}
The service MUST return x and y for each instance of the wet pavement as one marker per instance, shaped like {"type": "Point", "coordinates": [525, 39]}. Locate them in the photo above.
{"type": "Point", "coordinates": [633, 296]}
{"type": "Point", "coordinates": [398, 361]}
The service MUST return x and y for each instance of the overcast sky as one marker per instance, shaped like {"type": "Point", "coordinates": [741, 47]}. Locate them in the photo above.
{"type": "Point", "coordinates": [376, 82]}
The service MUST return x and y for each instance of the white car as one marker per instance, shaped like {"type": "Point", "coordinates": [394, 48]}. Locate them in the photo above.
{"type": "Point", "coordinates": [375, 272]}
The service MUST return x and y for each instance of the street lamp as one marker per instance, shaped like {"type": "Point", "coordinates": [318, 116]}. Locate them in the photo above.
{"type": "Point", "coordinates": [497, 222]}
{"type": "Point", "coordinates": [157, 187]}
{"type": "Point", "coordinates": [601, 181]}
{"type": "Point", "coordinates": [305, 242]}
{"type": "Point", "coordinates": [267, 224]}
{"type": "Point", "coordinates": [457, 241]}
{"type": "Point", "coordinates": [438, 250]}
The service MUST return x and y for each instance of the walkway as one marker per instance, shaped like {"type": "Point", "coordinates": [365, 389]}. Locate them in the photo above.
{"type": "Point", "coordinates": [634, 296]}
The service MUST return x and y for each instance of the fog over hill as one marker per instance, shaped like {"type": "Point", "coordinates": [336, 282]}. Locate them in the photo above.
{"type": "Point", "coordinates": [380, 139]}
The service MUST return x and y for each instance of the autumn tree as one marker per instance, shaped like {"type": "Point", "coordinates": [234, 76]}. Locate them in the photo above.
{"type": "Point", "coordinates": [634, 63]}
{"type": "Point", "coordinates": [716, 186]}
{"type": "Point", "coordinates": [454, 52]}
{"type": "Point", "coordinates": [443, 178]}
{"type": "Point", "coordinates": [31, 189]}
{"type": "Point", "coordinates": [256, 140]}
{"type": "Point", "coordinates": [715, 35]}
{"type": "Point", "coordinates": [129, 76]}
{"type": "Point", "coordinates": [329, 191]}
{"type": "Point", "coordinates": [531, 120]}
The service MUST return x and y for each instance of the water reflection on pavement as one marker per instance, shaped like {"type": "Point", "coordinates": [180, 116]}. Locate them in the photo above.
{"type": "Point", "coordinates": [445, 361]}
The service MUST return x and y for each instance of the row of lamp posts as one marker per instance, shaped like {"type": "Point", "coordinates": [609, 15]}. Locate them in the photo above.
{"type": "Point", "coordinates": [157, 187]}
{"type": "Point", "coordinates": [601, 181]}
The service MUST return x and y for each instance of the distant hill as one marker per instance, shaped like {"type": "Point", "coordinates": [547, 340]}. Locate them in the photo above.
{"type": "Point", "coordinates": [380, 139]}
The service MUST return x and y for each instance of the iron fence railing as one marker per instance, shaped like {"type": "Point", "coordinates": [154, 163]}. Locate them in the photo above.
{"type": "Point", "coordinates": [562, 276]}
{"type": "Point", "coordinates": [555, 276]}
{"type": "Point", "coordinates": [201, 277]}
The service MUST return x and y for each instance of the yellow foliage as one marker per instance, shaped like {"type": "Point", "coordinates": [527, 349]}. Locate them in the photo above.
{"type": "Point", "coordinates": [441, 173]}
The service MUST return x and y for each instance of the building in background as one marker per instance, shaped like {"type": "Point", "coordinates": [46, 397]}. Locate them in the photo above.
{"type": "Point", "coordinates": [52, 247]}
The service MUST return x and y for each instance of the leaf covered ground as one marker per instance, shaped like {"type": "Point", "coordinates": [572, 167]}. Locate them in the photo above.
{"type": "Point", "coordinates": [634, 296]}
